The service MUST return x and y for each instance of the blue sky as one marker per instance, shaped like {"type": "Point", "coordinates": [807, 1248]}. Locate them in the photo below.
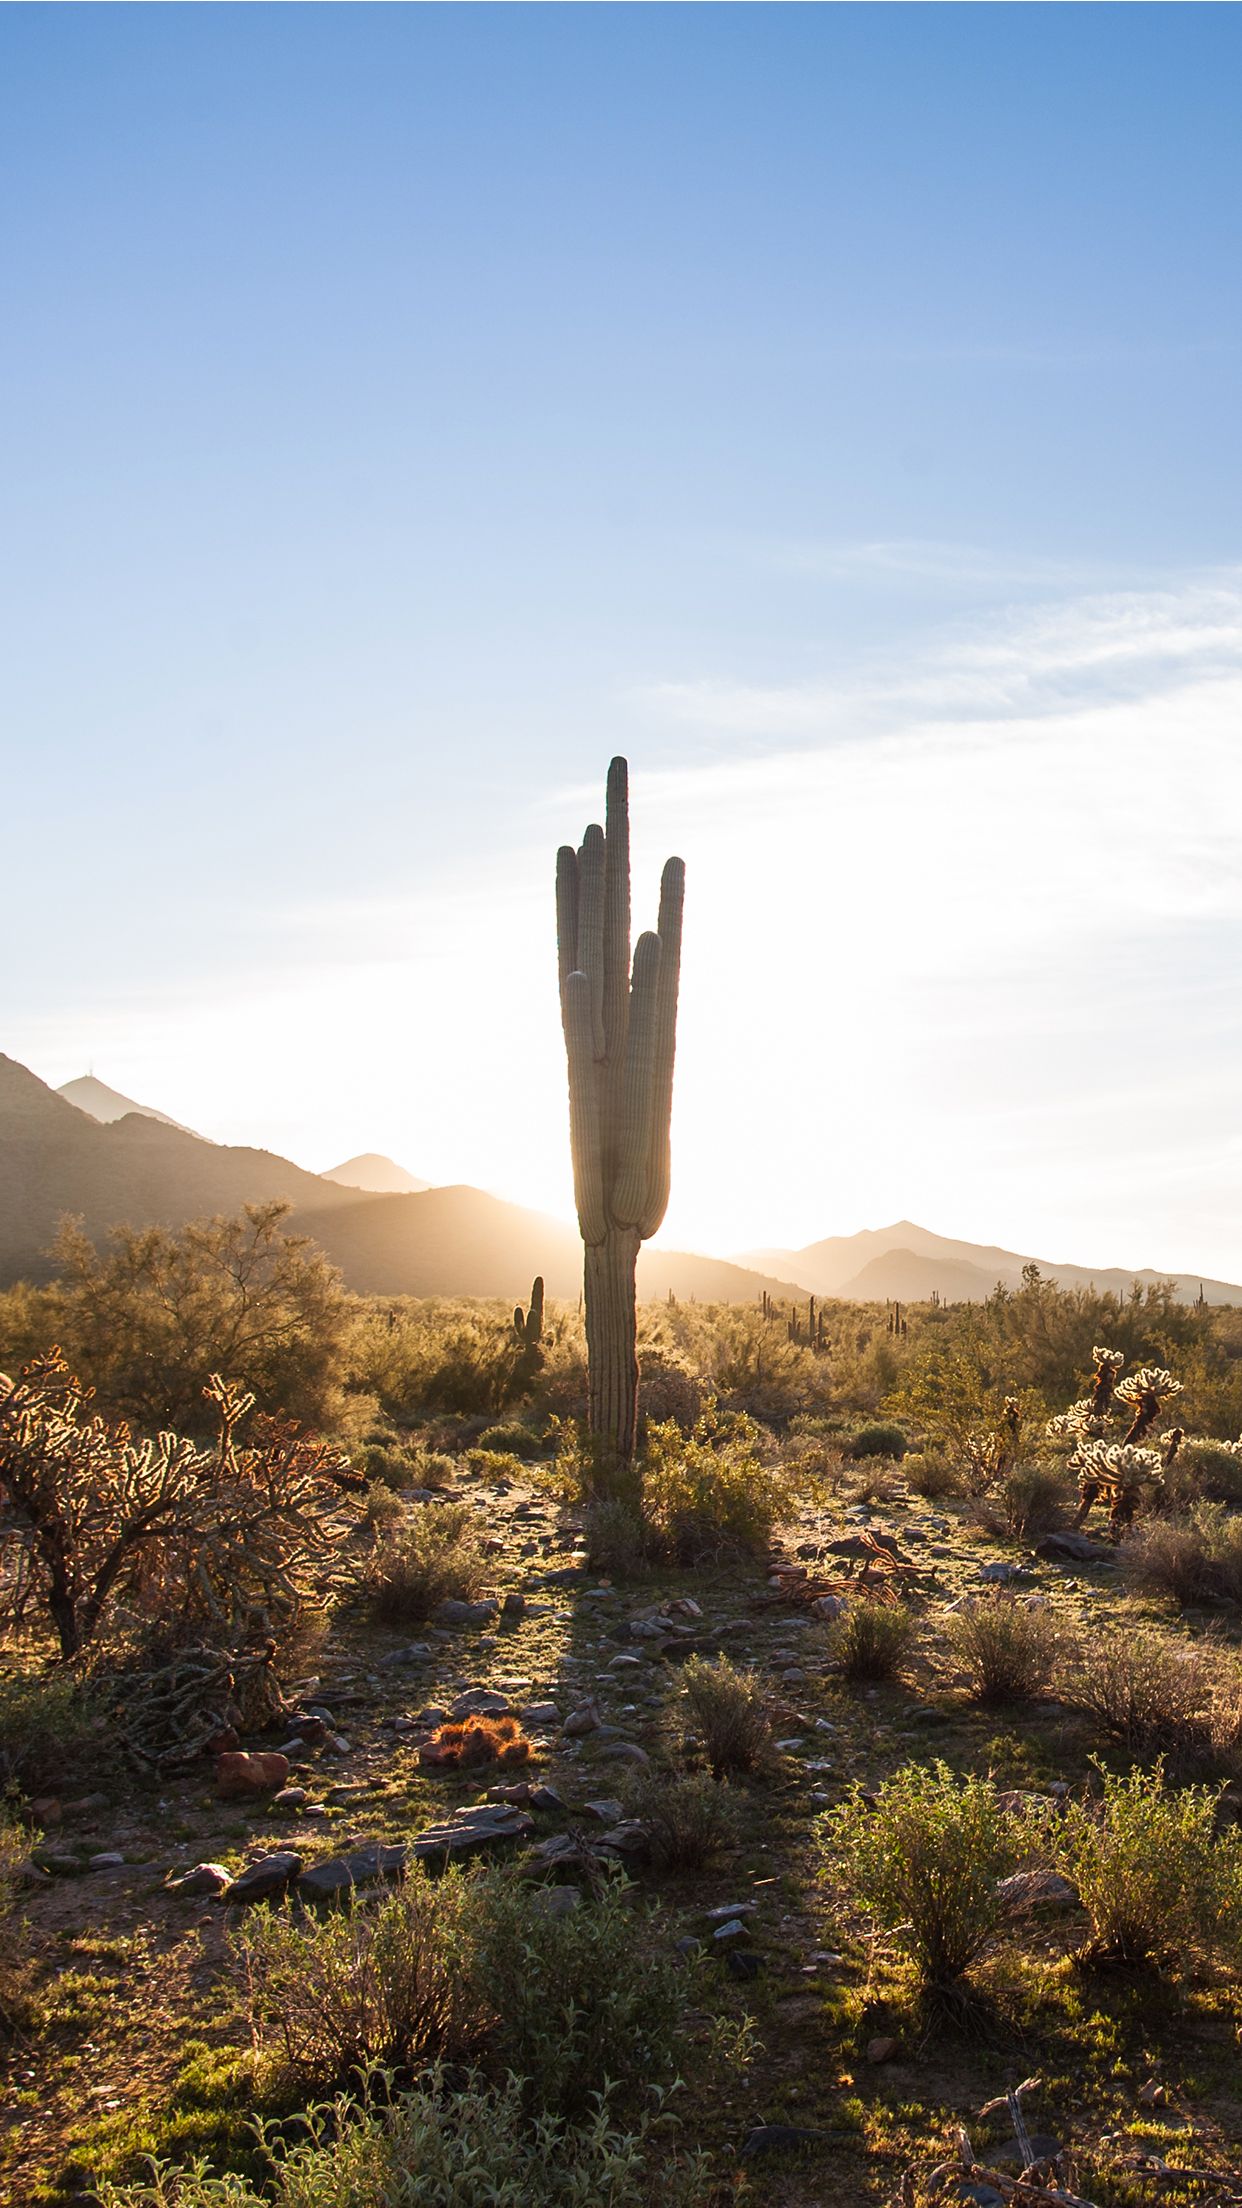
{"type": "Point", "coordinates": [835, 408]}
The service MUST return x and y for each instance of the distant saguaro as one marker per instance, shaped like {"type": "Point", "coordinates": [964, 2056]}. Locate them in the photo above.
{"type": "Point", "coordinates": [620, 1036]}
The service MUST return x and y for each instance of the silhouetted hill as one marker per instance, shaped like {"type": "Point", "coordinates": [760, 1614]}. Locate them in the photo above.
{"type": "Point", "coordinates": [906, 1262]}
{"type": "Point", "coordinates": [140, 1171]}
{"type": "Point", "coordinates": [105, 1104]}
{"type": "Point", "coordinates": [376, 1175]}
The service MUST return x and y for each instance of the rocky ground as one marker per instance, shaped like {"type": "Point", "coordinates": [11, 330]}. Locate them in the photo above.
{"type": "Point", "coordinates": [141, 2043]}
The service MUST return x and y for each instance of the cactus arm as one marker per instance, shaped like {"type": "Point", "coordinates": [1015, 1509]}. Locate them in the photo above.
{"type": "Point", "coordinates": [584, 1131]}
{"type": "Point", "coordinates": [617, 911]}
{"type": "Point", "coordinates": [566, 911]}
{"type": "Point", "coordinates": [629, 1193]}
{"type": "Point", "coordinates": [591, 861]}
{"type": "Point", "coordinates": [659, 1159]}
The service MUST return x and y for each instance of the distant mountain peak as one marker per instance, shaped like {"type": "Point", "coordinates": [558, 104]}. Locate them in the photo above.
{"type": "Point", "coordinates": [100, 1102]}
{"type": "Point", "coordinates": [376, 1176]}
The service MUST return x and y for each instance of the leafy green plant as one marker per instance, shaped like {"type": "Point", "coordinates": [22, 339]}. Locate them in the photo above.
{"type": "Point", "coordinates": [449, 2142]}
{"type": "Point", "coordinates": [871, 1640]}
{"type": "Point", "coordinates": [726, 1710]}
{"type": "Point", "coordinates": [877, 1441]}
{"type": "Point", "coordinates": [1007, 1646]}
{"type": "Point", "coordinates": [925, 1864]}
{"type": "Point", "coordinates": [513, 1439]}
{"type": "Point", "coordinates": [1156, 1881]}
{"type": "Point", "coordinates": [432, 1556]}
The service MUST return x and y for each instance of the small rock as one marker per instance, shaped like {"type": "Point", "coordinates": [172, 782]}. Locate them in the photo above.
{"type": "Point", "coordinates": [290, 1797]}
{"type": "Point", "coordinates": [541, 1713]}
{"type": "Point", "coordinates": [734, 1930]}
{"type": "Point", "coordinates": [452, 1612]}
{"type": "Point", "coordinates": [624, 1751]}
{"type": "Point", "coordinates": [775, 2139]}
{"type": "Point", "coordinates": [241, 1777]}
{"type": "Point", "coordinates": [106, 1860]}
{"type": "Point", "coordinates": [342, 1873]}
{"type": "Point", "coordinates": [479, 1702]}
{"type": "Point", "coordinates": [1010, 2156]}
{"type": "Point", "coordinates": [205, 1878]}
{"type": "Point", "coordinates": [727, 1910]}
{"type": "Point", "coordinates": [585, 1719]}
{"type": "Point", "coordinates": [555, 1901]}
{"type": "Point", "coordinates": [828, 1606]}
{"type": "Point", "coordinates": [470, 1831]}
{"type": "Point", "coordinates": [514, 1606]}
{"type": "Point", "coordinates": [271, 1875]}
{"type": "Point", "coordinates": [604, 1812]}
{"type": "Point", "coordinates": [417, 1652]}
{"type": "Point", "coordinates": [1036, 1890]}
{"type": "Point", "coordinates": [881, 2049]}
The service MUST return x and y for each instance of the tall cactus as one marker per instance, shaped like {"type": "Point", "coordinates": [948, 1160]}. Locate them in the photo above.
{"type": "Point", "coordinates": [620, 1035]}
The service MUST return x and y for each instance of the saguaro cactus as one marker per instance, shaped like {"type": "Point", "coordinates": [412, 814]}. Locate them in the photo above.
{"type": "Point", "coordinates": [620, 1035]}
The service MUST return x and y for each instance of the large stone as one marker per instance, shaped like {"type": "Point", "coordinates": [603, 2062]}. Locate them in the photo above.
{"type": "Point", "coordinates": [453, 1612]}
{"type": "Point", "coordinates": [262, 1881]}
{"type": "Point", "coordinates": [337, 1878]}
{"type": "Point", "coordinates": [205, 1878]}
{"type": "Point", "coordinates": [241, 1777]}
{"type": "Point", "coordinates": [471, 1831]}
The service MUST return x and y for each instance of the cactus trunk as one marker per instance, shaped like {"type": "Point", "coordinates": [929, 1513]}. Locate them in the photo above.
{"type": "Point", "coordinates": [620, 1026]}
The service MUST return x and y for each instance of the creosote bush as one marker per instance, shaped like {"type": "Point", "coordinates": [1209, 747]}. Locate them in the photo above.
{"type": "Point", "coordinates": [450, 2142]}
{"type": "Point", "coordinates": [1195, 1558]}
{"type": "Point", "coordinates": [877, 1441]}
{"type": "Point", "coordinates": [616, 1536]}
{"type": "Point", "coordinates": [691, 1818]}
{"type": "Point", "coordinates": [930, 1473]}
{"type": "Point", "coordinates": [924, 1863]}
{"type": "Point", "coordinates": [1151, 1872]}
{"type": "Point", "coordinates": [432, 1556]}
{"type": "Point", "coordinates": [710, 1494]}
{"type": "Point", "coordinates": [726, 1709]}
{"type": "Point", "coordinates": [330, 1996]}
{"type": "Point", "coordinates": [1158, 1697]}
{"type": "Point", "coordinates": [1029, 1500]}
{"type": "Point", "coordinates": [1007, 1645]}
{"type": "Point", "coordinates": [872, 1640]}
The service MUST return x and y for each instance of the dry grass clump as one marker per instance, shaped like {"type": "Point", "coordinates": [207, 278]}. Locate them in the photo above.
{"type": "Point", "coordinates": [432, 1556]}
{"type": "Point", "coordinates": [474, 1741]}
{"type": "Point", "coordinates": [1007, 1646]}
{"type": "Point", "coordinates": [1152, 1873]}
{"type": "Point", "coordinates": [1159, 1697]}
{"type": "Point", "coordinates": [929, 1473]}
{"type": "Point", "coordinates": [726, 1710]}
{"type": "Point", "coordinates": [1195, 1558]}
{"type": "Point", "coordinates": [689, 1817]}
{"type": "Point", "coordinates": [872, 1640]}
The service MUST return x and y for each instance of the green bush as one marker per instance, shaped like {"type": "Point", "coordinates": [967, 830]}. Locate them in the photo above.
{"type": "Point", "coordinates": [586, 2004]}
{"type": "Point", "coordinates": [929, 1473]}
{"type": "Point", "coordinates": [726, 1710]}
{"type": "Point", "coordinates": [450, 2142]}
{"type": "Point", "coordinates": [1007, 1646]}
{"type": "Point", "coordinates": [616, 1536]}
{"type": "Point", "coordinates": [328, 1997]}
{"type": "Point", "coordinates": [1028, 1501]}
{"type": "Point", "coordinates": [1155, 1880]}
{"type": "Point", "coordinates": [925, 1863]}
{"type": "Point", "coordinates": [689, 1816]}
{"type": "Point", "coordinates": [1208, 1469]}
{"type": "Point", "coordinates": [514, 1440]}
{"type": "Point", "coordinates": [877, 1441]}
{"type": "Point", "coordinates": [872, 1640]}
{"type": "Point", "coordinates": [710, 1495]}
{"type": "Point", "coordinates": [434, 1554]}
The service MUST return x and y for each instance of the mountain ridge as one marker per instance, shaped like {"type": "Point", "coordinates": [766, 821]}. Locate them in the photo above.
{"type": "Point", "coordinates": [906, 1262]}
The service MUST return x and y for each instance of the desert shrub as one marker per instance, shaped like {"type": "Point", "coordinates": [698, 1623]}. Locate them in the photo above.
{"type": "Point", "coordinates": [330, 1996]}
{"type": "Point", "coordinates": [1158, 1697]}
{"type": "Point", "coordinates": [1006, 1645]}
{"type": "Point", "coordinates": [668, 1390]}
{"type": "Point", "coordinates": [384, 1463]}
{"type": "Point", "coordinates": [382, 1510]}
{"type": "Point", "coordinates": [710, 1494]}
{"type": "Point", "coordinates": [15, 1842]}
{"type": "Point", "coordinates": [52, 1728]}
{"type": "Point", "coordinates": [512, 1439]}
{"type": "Point", "coordinates": [589, 2003]}
{"type": "Point", "coordinates": [929, 1473]}
{"type": "Point", "coordinates": [877, 1441]}
{"type": "Point", "coordinates": [616, 1536]}
{"type": "Point", "coordinates": [450, 2142]}
{"type": "Point", "coordinates": [1029, 1500]}
{"type": "Point", "coordinates": [1196, 1558]}
{"type": "Point", "coordinates": [871, 1640]}
{"type": "Point", "coordinates": [689, 1816]}
{"type": "Point", "coordinates": [925, 1862]}
{"type": "Point", "coordinates": [756, 1368]}
{"type": "Point", "coordinates": [96, 1523]}
{"type": "Point", "coordinates": [1208, 1469]}
{"type": "Point", "coordinates": [424, 1357]}
{"type": "Point", "coordinates": [434, 1555]}
{"type": "Point", "coordinates": [725, 1708]}
{"type": "Point", "coordinates": [1155, 1880]}
{"type": "Point", "coordinates": [148, 1320]}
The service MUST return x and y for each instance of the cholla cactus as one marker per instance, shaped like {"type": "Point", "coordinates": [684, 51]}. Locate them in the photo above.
{"type": "Point", "coordinates": [1104, 1378]}
{"type": "Point", "coordinates": [1078, 1423]}
{"type": "Point", "coordinates": [991, 1455]}
{"type": "Point", "coordinates": [1116, 1473]}
{"type": "Point", "coordinates": [1146, 1392]}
